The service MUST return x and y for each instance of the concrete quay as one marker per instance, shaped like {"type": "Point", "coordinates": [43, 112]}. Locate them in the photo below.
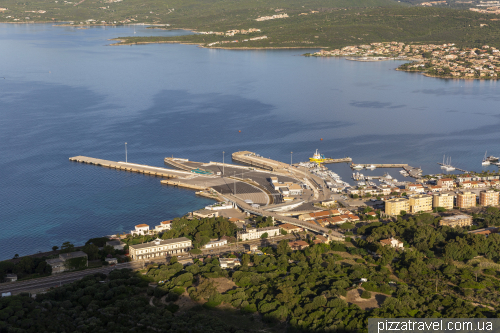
{"type": "Point", "coordinates": [380, 165]}
{"type": "Point", "coordinates": [132, 167]}
{"type": "Point", "coordinates": [337, 160]}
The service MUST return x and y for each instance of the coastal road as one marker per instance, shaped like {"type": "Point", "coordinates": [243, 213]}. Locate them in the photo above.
{"type": "Point", "coordinates": [44, 283]}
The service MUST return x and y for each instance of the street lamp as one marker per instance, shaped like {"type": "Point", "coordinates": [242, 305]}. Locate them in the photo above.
{"type": "Point", "coordinates": [234, 182]}
{"type": "Point", "coordinates": [291, 155]}
{"type": "Point", "coordinates": [125, 152]}
{"type": "Point", "coordinates": [223, 163]}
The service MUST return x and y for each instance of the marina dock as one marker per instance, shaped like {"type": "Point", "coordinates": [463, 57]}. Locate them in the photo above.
{"type": "Point", "coordinates": [132, 167]}
{"type": "Point", "coordinates": [456, 168]}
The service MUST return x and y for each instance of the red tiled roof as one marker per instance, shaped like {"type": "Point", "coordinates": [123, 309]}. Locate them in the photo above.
{"type": "Point", "coordinates": [141, 225]}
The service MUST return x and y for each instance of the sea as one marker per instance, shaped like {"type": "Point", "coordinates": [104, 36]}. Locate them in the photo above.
{"type": "Point", "coordinates": [66, 91]}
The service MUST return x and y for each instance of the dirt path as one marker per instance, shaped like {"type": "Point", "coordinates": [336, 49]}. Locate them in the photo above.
{"type": "Point", "coordinates": [354, 297]}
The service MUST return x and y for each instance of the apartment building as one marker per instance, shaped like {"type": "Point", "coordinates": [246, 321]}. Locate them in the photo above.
{"type": "Point", "coordinates": [396, 205]}
{"type": "Point", "coordinates": [466, 199]}
{"type": "Point", "coordinates": [445, 200]}
{"type": "Point", "coordinates": [488, 198]}
{"type": "Point", "coordinates": [420, 203]}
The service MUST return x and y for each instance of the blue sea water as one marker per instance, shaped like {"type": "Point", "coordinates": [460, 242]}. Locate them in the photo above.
{"type": "Point", "coordinates": [66, 92]}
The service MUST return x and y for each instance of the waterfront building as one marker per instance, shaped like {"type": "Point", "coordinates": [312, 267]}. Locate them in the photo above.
{"type": "Point", "coordinates": [488, 198]}
{"type": "Point", "coordinates": [466, 199]}
{"type": "Point", "coordinates": [215, 243]}
{"type": "Point", "coordinates": [256, 233]}
{"type": "Point", "coordinates": [444, 200]}
{"type": "Point", "coordinates": [164, 226]}
{"type": "Point", "coordinates": [396, 205]}
{"type": "Point", "coordinates": [392, 242]}
{"type": "Point", "coordinates": [63, 262]}
{"type": "Point", "coordinates": [160, 248]}
{"type": "Point", "coordinates": [140, 229]}
{"type": "Point", "coordinates": [220, 206]}
{"type": "Point", "coordinates": [420, 203]}
{"type": "Point", "coordinates": [418, 188]}
{"type": "Point", "coordinates": [461, 220]}
{"type": "Point", "coordinates": [205, 213]}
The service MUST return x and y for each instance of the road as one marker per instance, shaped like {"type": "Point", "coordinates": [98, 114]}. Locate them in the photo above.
{"type": "Point", "coordinates": [309, 226]}
{"type": "Point", "coordinates": [60, 279]}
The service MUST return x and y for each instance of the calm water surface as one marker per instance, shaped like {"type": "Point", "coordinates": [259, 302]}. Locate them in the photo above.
{"type": "Point", "coordinates": [66, 93]}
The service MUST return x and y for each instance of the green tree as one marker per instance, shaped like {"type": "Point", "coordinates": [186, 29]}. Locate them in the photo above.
{"type": "Point", "coordinates": [55, 248]}
{"type": "Point", "coordinates": [92, 251]}
{"type": "Point", "coordinates": [283, 247]}
{"type": "Point", "coordinates": [264, 235]}
{"type": "Point", "coordinates": [67, 247]}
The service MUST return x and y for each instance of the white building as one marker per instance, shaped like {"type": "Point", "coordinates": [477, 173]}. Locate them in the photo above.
{"type": "Point", "coordinates": [220, 206]}
{"type": "Point", "coordinates": [140, 229]}
{"type": "Point", "coordinates": [164, 226]}
{"type": "Point", "coordinates": [392, 242]}
{"type": "Point", "coordinates": [216, 243]}
{"type": "Point", "coordinates": [229, 262]}
{"type": "Point", "coordinates": [256, 233]}
{"type": "Point", "coordinates": [160, 248]}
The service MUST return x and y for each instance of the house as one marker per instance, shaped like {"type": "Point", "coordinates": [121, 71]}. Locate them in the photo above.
{"type": "Point", "coordinates": [323, 239]}
{"type": "Point", "coordinates": [236, 220]}
{"type": "Point", "coordinates": [11, 277]}
{"type": "Point", "coordinates": [290, 227]}
{"type": "Point", "coordinates": [229, 262]}
{"type": "Point", "coordinates": [336, 220]}
{"type": "Point", "coordinates": [116, 244]}
{"type": "Point", "coordinates": [256, 233]}
{"type": "Point", "coordinates": [371, 214]}
{"type": "Point", "coordinates": [164, 226]}
{"type": "Point", "coordinates": [215, 243]}
{"type": "Point", "coordinates": [160, 248]}
{"type": "Point", "coordinates": [205, 213]}
{"type": "Point", "coordinates": [418, 188]}
{"type": "Point", "coordinates": [392, 242]}
{"type": "Point", "coordinates": [65, 261]}
{"type": "Point", "coordinates": [298, 245]}
{"type": "Point", "coordinates": [140, 229]}
{"type": "Point", "coordinates": [453, 221]}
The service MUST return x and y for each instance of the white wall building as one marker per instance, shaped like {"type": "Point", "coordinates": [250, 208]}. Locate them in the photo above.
{"type": "Point", "coordinates": [164, 226]}
{"type": "Point", "coordinates": [160, 248]}
{"type": "Point", "coordinates": [140, 229]}
{"type": "Point", "coordinates": [256, 233]}
{"type": "Point", "coordinates": [216, 243]}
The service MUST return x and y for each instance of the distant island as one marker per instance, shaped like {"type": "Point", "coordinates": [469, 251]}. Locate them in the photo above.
{"type": "Point", "coordinates": [443, 61]}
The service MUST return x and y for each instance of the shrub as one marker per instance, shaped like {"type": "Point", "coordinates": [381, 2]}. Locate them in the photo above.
{"type": "Point", "coordinates": [366, 294]}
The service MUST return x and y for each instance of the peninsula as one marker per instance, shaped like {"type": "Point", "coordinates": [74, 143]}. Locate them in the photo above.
{"type": "Point", "coordinates": [444, 61]}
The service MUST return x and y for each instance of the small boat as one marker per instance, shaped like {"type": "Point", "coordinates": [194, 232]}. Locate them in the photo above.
{"type": "Point", "coordinates": [387, 176]}
{"type": "Point", "coordinates": [357, 167]}
{"type": "Point", "coordinates": [486, 161]}
{"type": "Point", "coordinates": [371, 167]}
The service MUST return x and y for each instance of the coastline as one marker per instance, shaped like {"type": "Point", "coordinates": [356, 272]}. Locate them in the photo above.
{"type": "Point", "coordinates": [446, 77]}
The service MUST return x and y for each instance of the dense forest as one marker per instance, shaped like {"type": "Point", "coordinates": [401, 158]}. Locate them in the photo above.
{"type": "Point", "coordinates": [442, 272]}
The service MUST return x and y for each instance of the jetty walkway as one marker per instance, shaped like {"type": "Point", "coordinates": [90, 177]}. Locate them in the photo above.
{"type": "Point", "coordinates": [132, 167]}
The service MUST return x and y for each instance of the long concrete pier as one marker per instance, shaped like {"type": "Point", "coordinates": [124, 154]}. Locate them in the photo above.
{"type": "Point", "coordinates": [132, 167]}
{"type": "Point", "coordinates": [337, 160]}
{"type": "Point", "coordinates": [380, 165]}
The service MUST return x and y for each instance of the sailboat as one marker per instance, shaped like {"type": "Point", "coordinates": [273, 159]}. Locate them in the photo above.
{"type": "Point", "coordinates": [443, 166]}
{"type": "Point", "coordinates": [448, 166]}
{"type": "Point", "coordinates": [486, 161]}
